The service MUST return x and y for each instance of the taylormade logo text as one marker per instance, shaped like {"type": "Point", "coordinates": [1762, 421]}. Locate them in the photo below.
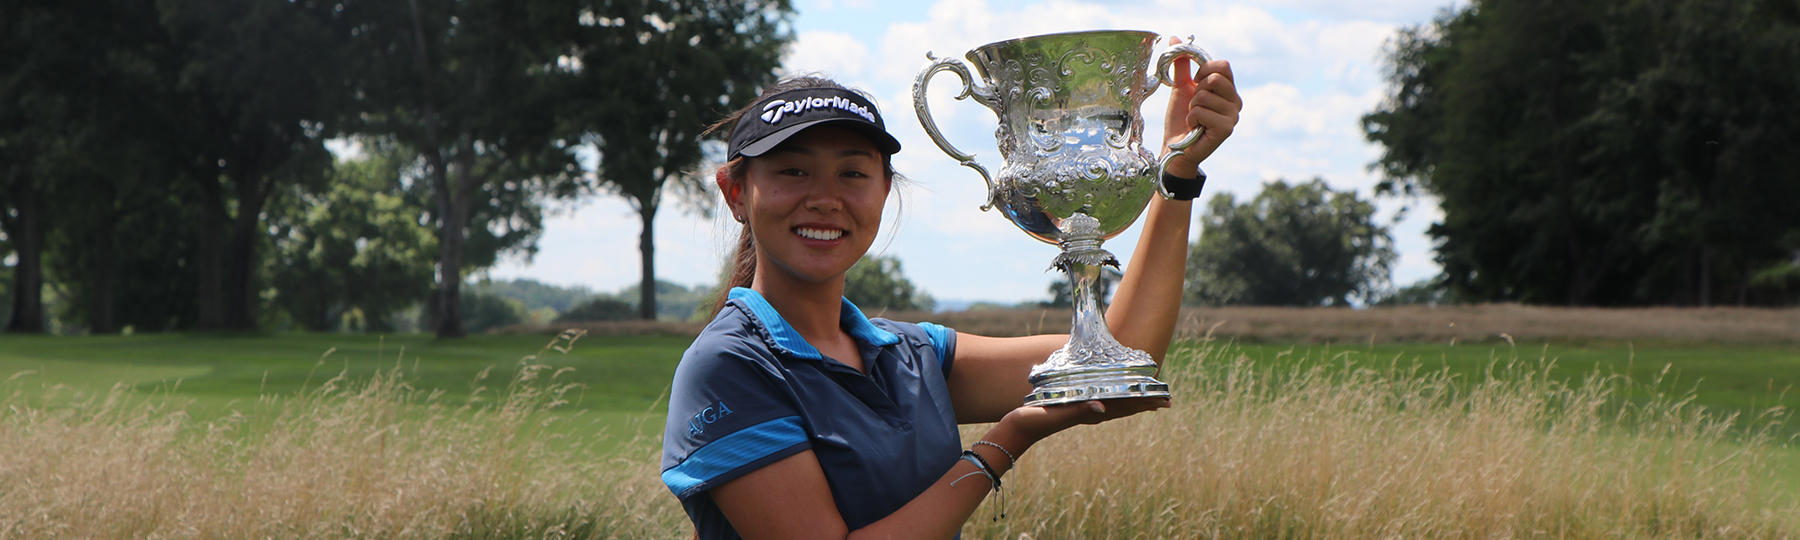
{"type": "Point", "coordinates": [775, 110]}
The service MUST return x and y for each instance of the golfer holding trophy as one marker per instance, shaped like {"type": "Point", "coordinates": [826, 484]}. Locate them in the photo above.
{"type": "Point", "coordinates": [794, 415]}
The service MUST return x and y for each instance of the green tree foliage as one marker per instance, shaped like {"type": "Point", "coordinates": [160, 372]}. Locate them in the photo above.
{"type": "Point", "coordinates": [652, 75]}
{"type": "Point", "coordinates": [876, 282]}
{"type": "Point", "coordinates": [600, 308]}
{"type": "Point", "coordinates": [1292, 245]}
{"type": "Point", "coordinates": [1634, 152]}
{"type": "Point", "coordinates": [470, 84]}
{"type": "Point", "coordinates": [355, 246]}
{"type": "Point", "coordinates": [483, 311]}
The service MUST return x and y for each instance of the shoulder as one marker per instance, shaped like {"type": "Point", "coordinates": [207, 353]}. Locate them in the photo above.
{"type": "Point", "coordinates": [940, 340]}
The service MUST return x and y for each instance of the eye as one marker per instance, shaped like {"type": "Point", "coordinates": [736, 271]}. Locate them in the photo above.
{"type": "Point", "coordinates": [791, 171]}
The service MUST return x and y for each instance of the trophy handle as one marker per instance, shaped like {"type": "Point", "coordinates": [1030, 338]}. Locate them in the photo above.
{"type": "Point", "coordinates": [1194, 52]}
{"type": "Point", "coordinates": [983, 95]}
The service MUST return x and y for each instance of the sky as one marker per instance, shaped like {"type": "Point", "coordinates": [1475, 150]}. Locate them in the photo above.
{"type": "Point", "coordinates": [1307, 71]}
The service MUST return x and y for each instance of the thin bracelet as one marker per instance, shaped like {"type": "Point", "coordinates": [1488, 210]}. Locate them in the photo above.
{"type": "Point", "coordinates": [1010, 460]}
{"type": "Point", "coordinates": [994, 479]}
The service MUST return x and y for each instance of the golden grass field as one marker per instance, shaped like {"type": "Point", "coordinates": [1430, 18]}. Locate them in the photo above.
{"type": "Point", "coordinates": [1322, 448]}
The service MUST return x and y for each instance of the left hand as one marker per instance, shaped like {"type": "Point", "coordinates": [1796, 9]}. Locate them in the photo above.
{"type": "Point", "coordinates": [1207, 99]}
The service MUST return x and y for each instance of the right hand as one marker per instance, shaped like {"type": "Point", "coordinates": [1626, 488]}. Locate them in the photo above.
{"type": "Point", "coordinates": [1037, 423]}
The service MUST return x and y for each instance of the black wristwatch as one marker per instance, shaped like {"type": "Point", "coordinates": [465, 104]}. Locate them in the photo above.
{"type": "Point", "coordinates": [1182, 189]}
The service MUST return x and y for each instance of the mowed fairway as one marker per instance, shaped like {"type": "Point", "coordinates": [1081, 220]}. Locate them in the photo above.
{"type": "Point", "coordinates": [1747, 379]}
{"type": "Point", "coordinates": [621, 377]}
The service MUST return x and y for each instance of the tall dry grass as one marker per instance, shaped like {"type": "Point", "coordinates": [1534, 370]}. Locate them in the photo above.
{"type": "Point", "coordinates": [1332, 450]}
{"type": "Point", "coordinates": [349, 459]}
{"type": "Point", "coordinates": [1324, 450]}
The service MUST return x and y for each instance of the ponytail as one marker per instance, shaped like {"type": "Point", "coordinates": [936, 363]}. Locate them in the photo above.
{"type": "Point", "coordinates": [743, 261]}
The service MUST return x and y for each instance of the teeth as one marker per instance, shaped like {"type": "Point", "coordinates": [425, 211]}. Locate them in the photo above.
{"type": "Point", "coordinates": [819, 234]}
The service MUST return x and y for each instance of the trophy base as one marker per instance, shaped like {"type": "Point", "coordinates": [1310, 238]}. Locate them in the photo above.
{"type": "Point", "coordinates": [1098, 382]}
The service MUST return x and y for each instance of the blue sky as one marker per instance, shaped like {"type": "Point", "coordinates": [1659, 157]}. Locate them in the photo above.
{"type": "Point", "coordinates": [1307, 69]}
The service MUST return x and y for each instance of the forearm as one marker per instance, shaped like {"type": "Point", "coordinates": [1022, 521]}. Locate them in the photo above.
{"type": "Point", "coordinates": [942, 509]}
{"type": "Point", "coordinates": [1148, 302]}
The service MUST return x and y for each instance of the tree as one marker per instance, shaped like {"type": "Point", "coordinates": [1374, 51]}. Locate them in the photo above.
{"type": "Point", "coordinates": [1599, 154]}
{"type": "Point", "coordinates": [655, 75]}
{"type": "Point", "coordinates": [80, 141]}
{"type": "Point", "coordinates": [259, 86]}
{"type": "Point", "coordinates": [1292, 245]}
{"type": "Point", "coordinates": [354, 246]}
{"type": "Point", "coordinates": [877, 282]}
{"type": "Point", "coordinates": [473, 86]}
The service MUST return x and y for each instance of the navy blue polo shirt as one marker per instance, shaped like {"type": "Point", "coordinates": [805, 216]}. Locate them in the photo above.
{"type": "Point", "coordinates": [751, 391]}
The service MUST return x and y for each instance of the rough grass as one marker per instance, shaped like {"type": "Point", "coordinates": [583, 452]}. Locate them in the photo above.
{"type": "Point", "coordinates": [1325, 449]}
{"type": "Point", "coordinates": [1319, 448]}
{"type": "Point", "coordinates": [370, 458]}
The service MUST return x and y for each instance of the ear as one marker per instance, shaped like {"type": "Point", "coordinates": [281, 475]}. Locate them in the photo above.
{"type": "Point", "coordinates": [733, 190]}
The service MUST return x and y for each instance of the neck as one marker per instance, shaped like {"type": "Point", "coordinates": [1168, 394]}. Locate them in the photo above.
{"type": "Point", "coordinates": [813, 309]}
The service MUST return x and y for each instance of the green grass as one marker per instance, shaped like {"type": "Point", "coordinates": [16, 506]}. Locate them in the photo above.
{"type": "Point", "coordinates": [1743, 379]}
{"type": "Point", "coordinates": [622, 377]}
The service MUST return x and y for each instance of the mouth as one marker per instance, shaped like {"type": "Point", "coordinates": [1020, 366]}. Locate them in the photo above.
{"type": "Point", "coordinates": [812, 233]}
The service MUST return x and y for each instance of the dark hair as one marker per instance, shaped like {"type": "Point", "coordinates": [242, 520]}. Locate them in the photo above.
{"type": "Point", "coordinates": [743, 265]}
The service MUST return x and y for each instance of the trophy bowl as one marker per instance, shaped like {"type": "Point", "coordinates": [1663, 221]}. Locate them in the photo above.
{"type": "Point", "coordinates": [1075, 174]}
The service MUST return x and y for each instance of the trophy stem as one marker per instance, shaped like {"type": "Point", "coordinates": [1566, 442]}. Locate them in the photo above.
{"type": "Point", "coordinates": [1093, 365]}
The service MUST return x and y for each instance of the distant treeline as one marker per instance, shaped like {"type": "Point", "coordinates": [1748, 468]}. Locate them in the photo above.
{"type": "Point", "coordinates": [164, 163]}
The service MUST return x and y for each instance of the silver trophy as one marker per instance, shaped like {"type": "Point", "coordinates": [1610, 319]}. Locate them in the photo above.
{"type": "Point", "coordinates": [1076, 173]}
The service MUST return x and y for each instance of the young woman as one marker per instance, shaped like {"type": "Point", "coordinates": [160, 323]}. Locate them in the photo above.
{"type": "Point", "coordinates": [794, 416]}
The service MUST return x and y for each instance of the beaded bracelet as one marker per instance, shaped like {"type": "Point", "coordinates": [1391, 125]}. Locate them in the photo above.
{"type": "Point", "coordinates": [985, 470]}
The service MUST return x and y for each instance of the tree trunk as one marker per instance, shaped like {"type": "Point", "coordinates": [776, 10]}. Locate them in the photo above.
{"type": "Point", "coordinates": [647, 250]}
{"type": "Point", "coordinates": [210, 256]}
{"type": "Point", "coordinates": [26, 232]}
{"type": "Point", "coordinates": [240, 253]}
{"type": "Point", "coordinates": [1706, 278]}
{"type": "Point", "coordinates": [101, 315]}
{"type": "Point", "coordinates": [447, 316]}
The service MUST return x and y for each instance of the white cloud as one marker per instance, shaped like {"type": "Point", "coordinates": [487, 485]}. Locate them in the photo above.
{"type": "Point", "coordinates": [835, 54]}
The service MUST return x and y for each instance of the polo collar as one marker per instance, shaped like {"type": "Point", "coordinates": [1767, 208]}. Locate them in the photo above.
{"type": "Point", "coordinates": [785, 338]}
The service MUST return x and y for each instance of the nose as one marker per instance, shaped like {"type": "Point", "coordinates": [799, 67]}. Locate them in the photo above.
{"type": "Point", "coordinates": [825, 197]}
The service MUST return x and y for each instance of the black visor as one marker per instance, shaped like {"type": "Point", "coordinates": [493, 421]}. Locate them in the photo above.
{"type": "Point", "coordinates": [775, 118]}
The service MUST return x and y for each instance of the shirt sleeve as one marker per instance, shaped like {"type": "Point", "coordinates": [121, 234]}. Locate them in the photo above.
{"type": "Point", "coordinates": [730, 413]}
{"type": "Point", "coordinates": [943, 340]}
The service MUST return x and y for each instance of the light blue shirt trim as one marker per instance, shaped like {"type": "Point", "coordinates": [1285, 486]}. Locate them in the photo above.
{"type": "Point", "coordinates": [940, 340]}
{"type": "Point", "coordinates": [785, 337]}
{"type": "Point", "coordinates": [733, 451]}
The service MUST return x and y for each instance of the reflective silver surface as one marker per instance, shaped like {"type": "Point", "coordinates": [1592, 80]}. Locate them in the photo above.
{"type": "Point", "coordinates": [1075, 173]}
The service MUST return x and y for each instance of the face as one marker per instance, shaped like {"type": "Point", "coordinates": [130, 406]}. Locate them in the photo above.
{"type": "Point", "coordinates": [814, 204]}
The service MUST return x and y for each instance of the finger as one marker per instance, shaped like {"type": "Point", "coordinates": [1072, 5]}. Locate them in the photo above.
{"type": "Point", "coordinates": [1182, 67]}
{"type": "Point", "coordinates": [1217, 125]}
{"type": "Point", "coordinates": [1218, 85]}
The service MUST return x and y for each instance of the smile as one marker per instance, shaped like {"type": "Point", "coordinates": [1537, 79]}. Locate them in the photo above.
{"type": "Point", "coordinates": [819, 234]}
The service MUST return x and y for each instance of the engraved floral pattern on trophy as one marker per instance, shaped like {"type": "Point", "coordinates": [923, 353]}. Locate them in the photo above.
{"type": "Point", "coordinates": [1075, 173]}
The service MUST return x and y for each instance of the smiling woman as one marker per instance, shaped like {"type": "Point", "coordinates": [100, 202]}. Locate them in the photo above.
{"type": "Point", "coordinates": [793, 415]}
